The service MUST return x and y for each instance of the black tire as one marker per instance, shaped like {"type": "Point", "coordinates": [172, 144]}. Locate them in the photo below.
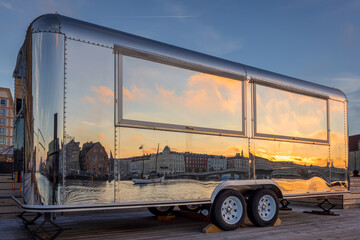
{"type": "Point", "coordinates": [161, 211]}
{"type": "Point", "coordinates": [269, 204]}
{"type": "Point", "coordinates": [228, 199]}
{"type": "Point", "coordinates": [190, 208]}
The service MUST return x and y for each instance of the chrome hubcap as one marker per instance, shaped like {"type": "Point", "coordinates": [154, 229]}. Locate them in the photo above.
{"type": "Point", "coordinates": [267, 207]}
{"type": "Point", "coordinates": [231, 210]}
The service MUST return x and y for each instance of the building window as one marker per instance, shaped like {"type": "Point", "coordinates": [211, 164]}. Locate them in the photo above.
{"type": "Point", "coordinates": [3, 112]}
{"type": "Point", "coordinates": [2, 131]}
{"type": "Point", "coordinates": [2, 141]}
{"type": "Point", "coordinates": [2, 122]}
{"type": "Point", "coordinates": [3, 103]}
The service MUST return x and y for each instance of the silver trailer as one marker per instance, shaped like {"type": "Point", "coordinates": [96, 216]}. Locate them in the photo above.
{"type": "Point", "coordinates": [111, 120]}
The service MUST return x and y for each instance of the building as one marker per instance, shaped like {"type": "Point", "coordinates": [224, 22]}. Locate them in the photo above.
{"type": "Point", "coordinates": [216, 163]}
{"type": "Point", "coordinates": [169, 162]}
{"type": "Point", "coordinates": [94, 159]}
{"type": "Point", "coordinates": [6, 118]}
{"type": "Point", "coordinates": [238, 162]}
{"type": "Point", "coordinates": [354, 152]}
{"type": "Point", "coordinates": [196, 162]}
{"type": "Point", "coordinates": [72, 152]}
{"type": "Point", "coordinates": [139, 164]}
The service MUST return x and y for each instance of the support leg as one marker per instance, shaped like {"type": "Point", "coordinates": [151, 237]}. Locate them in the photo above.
{"type": "Point", "coordinates": [284, 205]}
{"type": "Point", "coordinates": [325, 210]}
{"type": "Point", "coordinates": [26, 221]}
{"type": "Point", "coordinates": [54, 233]}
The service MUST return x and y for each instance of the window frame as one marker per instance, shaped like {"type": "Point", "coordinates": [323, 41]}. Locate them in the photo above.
{"type": "Point", "coordinates": [276, 137]}
{"type": "Point", "coordinates": [3, 105]}
{"type": "Point", "coordinates": [3, 112]}
{"type": "Point", "coordinates": [119, 52]}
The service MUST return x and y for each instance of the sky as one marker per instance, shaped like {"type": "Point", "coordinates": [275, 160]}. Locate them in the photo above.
{"type": "Point", "coordinates": [314, 40]}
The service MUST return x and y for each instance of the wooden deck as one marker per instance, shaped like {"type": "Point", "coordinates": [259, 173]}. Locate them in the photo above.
{"type": "Point", "coordinates": [142, 225]}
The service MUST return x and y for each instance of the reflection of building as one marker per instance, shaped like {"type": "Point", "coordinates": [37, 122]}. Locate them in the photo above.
{"type": "Point", "coordinates": [72, 150]}
{"type": "Point", "coordinates": [238, 162]}
{"type": "Point", "coordinates": [216, 163]}
{"type": "Point", "coordinates": [169, 161]}
{"type": "Point", "coordinates": [139, 164]}
{"type": "Point", "coordinates": [94, 159]}
{"type": "Point", "coordinates": [6, 118]}
{"type": "Point", "coordinates": [196, 162]}
{"type": "Point", "coordinates": [166, 162]}
{"type": "Point", "coordinates": [354, 152]}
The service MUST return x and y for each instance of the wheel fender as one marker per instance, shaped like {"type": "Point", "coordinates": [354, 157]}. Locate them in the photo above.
{"type": "Point", "coordinates": [245, 185]}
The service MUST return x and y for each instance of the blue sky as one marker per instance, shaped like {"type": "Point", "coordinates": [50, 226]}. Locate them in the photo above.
{"type": "Point", "coordinates": [317, 40]}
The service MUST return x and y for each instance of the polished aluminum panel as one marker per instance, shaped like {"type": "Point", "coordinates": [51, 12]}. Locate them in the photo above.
{"type": "Point", "coordinates": [192, 164]}
{"type": "Point", "coordinates": [297, 168]}
{"type": "Point", "coordinates": [288, 115]}
{"type": "Point", "coordinates": [43, 139]}
{"type": "Point", "coordinates": [338, 139]}
{"type": "Point", "coordinates": [103, 36]}
{"type": "Point", "coordinates": [89, 127]}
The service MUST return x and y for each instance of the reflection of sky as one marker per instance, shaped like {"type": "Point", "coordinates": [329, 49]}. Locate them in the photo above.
{"type": "Point", "coordinates": [298, 153]}
{"type": "Point", "coordinates": [89, 94]}
{"type": "Point", "coordinates": [48, 84]}
{"type": "Point", "coordinates": [161, 93]}
{"type": "Point", "coordinates": [289, 114]}
{"type": "Point", "coordinates": [131, 139]}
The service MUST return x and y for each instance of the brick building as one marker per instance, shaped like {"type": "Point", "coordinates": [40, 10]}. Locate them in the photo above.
{"type": "Point", "coordinates": [196, 162]}
{"type": "Point", "coordinates": [6, 118]}
{"type": "Point", "coordinates": [354, 152]}
{"type": "Point", "coordinates": [94, 159]}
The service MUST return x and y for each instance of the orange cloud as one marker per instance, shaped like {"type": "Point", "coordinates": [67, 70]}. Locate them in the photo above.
{"type": "Point", "coordinates": [133, 94]}
{"type": "Point", "coordinates": [104, 94]}
{"type": "Point", "coordinates": [234, 149]}
{"type": "Point", "coordinates": [89, 99]}
{"type": "Point", "coordinates": [136, 138]}
{"type": "Point", "coordinates": [101, 136]}
{"type": "Point", "coordinates": [288, 114]}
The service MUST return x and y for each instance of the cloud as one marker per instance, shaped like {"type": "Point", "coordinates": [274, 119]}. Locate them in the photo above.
{"type": "Point", "coordinates": [89, 99]}
{"type": "Point", "coordinates": [6, 5]}
{"type": "Point", "coordinates": [162, 16]}
{"type": "Point", "coordinates": [348, 83]}
{"type": "Point", "coordinates": [136, 138]}
{"type": "Point", "coordinates": [88, 123]}
{"type": "Point", "coordinates": [134, 94]}
{"type": "Point", "coordinates": [103, 94]}
{"type": "Point", "coordinates": [234, 149]}
{"type": "Point", "coordinates": [102, 136]}
{"type": "Point", "coordinates": [287, 114]}
{"type": "Point", "coordinates": [203, 93]}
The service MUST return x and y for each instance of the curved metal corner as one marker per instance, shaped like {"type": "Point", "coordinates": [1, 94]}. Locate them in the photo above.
{"type": "Point", "coordinates": [46, 23]}
{"type": "Point", "coordinates": [246, 184]}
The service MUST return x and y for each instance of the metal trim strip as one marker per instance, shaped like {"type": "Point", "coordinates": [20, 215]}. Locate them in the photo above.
{"type": "Point", "coordinates": [106, 206]}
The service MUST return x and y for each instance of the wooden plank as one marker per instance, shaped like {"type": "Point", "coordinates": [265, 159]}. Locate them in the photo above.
{"type": "Point", "coordinates": [142, 225]}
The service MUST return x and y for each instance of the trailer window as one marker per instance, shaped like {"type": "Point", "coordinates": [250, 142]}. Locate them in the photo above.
{"type": "Point", "coordinates": [159, 93]}
{"type": "Point", "coordinates": [289, 115]}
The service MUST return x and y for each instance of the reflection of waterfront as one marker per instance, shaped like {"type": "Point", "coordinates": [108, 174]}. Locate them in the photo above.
{"type": "Point", "coordinates": [82, 192]}
{"type": "Point", "coordinates": [312, 185]}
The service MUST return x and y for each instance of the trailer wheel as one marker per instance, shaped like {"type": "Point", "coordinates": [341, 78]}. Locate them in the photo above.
{"type": "Point", "coordinates": [190, 208]}
{"type": "Point", "coordinates": [161, 211]}
{"type": "Point", "coordinates": [263, 208]}
{"type": "Point", "coordinates": [229, 210]}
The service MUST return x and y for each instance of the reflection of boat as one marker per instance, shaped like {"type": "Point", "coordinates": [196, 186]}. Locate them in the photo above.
{"type": "Point", "coordinates": [149, 180]}
{"type": "Point", "coordinates": [152, 177]}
